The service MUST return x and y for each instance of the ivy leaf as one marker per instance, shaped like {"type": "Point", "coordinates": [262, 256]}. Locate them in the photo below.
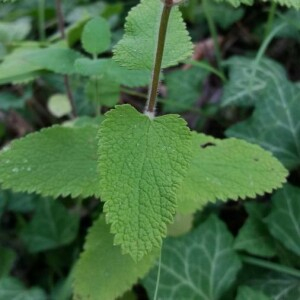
{"type": "Point", "coordinates": [276, 285]}
{"type": "Point", "coordinates": [276, 102]}
{"type": "Point", "coordinates": [136, 49]}
{"type": "Point", "coordinates": [184, 88]}
{"type": "Point", "coordinates": [227, 169]}
{"type": "Point", "coordinates": [284, 219]}
{"type": "Point", "coordinates": [111, 70]}
{"type": "Point", "coordinates": [96, 36]}
{"type": "Point", "coordinates": [239, 91]}
{"type": "Point", "coordinates": [254, 236]}
{"type": "Point", "coordinates": [102, 271]}
{"type": "Point", "coordinates": [247, 293]}
{"type": "Point", "coordinates": [290, 20]}
{"type": "Point", "coordinates": [200, 265]}
{"type": "Point", "coordinates": [3, 203]}
{"type": "Point", "coordinates": [56, 161]}
{"type": "Point", "coordinates": [146, 160]}
{"type": "Point", "coordinates": [51, 227]}
{"type": "Point", "coordinates": [7, 258]}
{"type": "Point", "coordinates": [18, 202]}
{"type": "Point", "coordinates": [12, 289]}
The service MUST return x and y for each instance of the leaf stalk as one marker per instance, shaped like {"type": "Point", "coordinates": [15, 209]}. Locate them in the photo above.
{"type": "Point", "coordinates": [270, 265]}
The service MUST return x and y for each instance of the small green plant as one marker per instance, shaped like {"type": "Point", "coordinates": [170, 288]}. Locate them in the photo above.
{"type": "Point", "coordinates": [145, 168]}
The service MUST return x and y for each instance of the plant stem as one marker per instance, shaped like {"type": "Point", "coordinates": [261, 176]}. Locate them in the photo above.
{"type": "Point", "coordinates": [170, 101]}
{"type": "Point", "coordinates": [97, 100]}
{"type": "Point", "coordinates": [261, 53]}
{"type": "Point", "coordinates": [41, 16]}
{"type": "Point", "coordinates": [206, 66]}
{"type": "Point", "coordinates": [61, 27]}
{"type": "Point", "coordinates": [213, 32]}
{"type": "Point", "coordinates": [151, 103]}
{"type": "Point", "coordinates": [271, 16]}
{"type": "Point", "coordinates": [70, 94]}
{"type": "Point", "coordinates": [270, 265]}
{"type": "Point", "coordinates": [60, 18]}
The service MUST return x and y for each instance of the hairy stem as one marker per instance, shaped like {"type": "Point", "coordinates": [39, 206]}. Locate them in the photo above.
{"type": "Point", "coordinates": [270, 265]}
{"type": "Point", "coordinates": [41, 17]}
{"type": "Point", "coordinates": [151, 103]}
{"type": "Point", "coordinates": [61, 27]}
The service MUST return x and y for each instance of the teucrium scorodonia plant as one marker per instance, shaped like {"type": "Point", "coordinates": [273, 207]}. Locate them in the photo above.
{"type": "Point", "coordinates": [145, 168]}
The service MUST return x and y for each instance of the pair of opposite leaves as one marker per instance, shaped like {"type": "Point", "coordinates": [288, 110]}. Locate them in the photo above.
{"type": "Point", "coordinates": [148, 169]}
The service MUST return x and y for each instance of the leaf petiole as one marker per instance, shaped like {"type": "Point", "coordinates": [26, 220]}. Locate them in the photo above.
{"type": "Point", "coordinates": [270, 265]}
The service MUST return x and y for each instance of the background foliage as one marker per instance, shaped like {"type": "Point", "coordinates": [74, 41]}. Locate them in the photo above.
{"type": "Point", "coordinates": [247, 87]}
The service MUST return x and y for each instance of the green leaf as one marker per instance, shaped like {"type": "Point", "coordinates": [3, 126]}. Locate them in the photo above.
{"type": "Point", "coordinates": [96, 36]}
{"type": "Point", "coordinates": [59, 105]}
{"type": "Point", "coordinates": [12, 289]}
{"type": "Point", "coordinates": [290, 22]}
{"type": "Point", "coordinates": [182, 224]}
{"type": "Point", "coordinates": [102, 271]}
{"type": "Point", "coordinates": [276, 285]}
{"type": "Point", "coordinates": [14, 31]}
{"type": "Point", "coordinates": [227, 169]}
{"type": "Point", "coordinates": [111, 70]}
{"type": "Point", "coordinates": [7, 258]}
{"type": "Point", "coordinates": [84, 121]}
{"type": "Point", "coordinates": [51, 227]}
{"type": "Point", "coordinates": [276, 102]}
{"type": "Point", "coordinates": [136, 49]}
{"type": "Point", "coordinates": [254, 236]}
{"type": "Point", "coordinates": [224, 14]}
{"type": "Point", "coordinates": [64, 289]}
{"type": "Point", "coordinates": [9, 100]}
{"type": "Point", "coordinates": [200, 265]}
{"type": "Point", "coordinates": [19, 202]}
{"type": "Point", "coordinates": [103, 91]}
{"type": "Point", "coordinates": [3, 204]}
{"type": "Point", "coordinates": [289, 3]}
{"type": "Point", "coordinates": [246, 293]}
{"type": "Point", "coordinates": [284, 219]}
{"type": "Point", "coordinates": [239, 91]}
{"type": "Point", "coordinates": [27, 61]}
{"type": "Point", "coordinates": [55, 161]}
{"type": "Point", "coordinates": [237, 3]}
{"type": "Point", "coordinates": [146, 160]}
{"type": "Point", "coordinates": [184, 89]}
{"type": "Point", "coordinates": [287, 257]}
